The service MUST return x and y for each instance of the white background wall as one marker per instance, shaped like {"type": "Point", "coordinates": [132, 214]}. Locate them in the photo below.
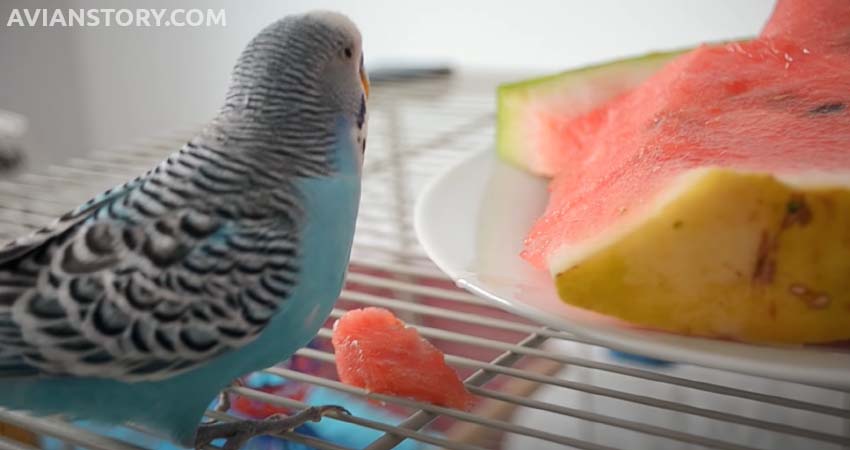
{"type": "Point", "coordinates": [86, 88]}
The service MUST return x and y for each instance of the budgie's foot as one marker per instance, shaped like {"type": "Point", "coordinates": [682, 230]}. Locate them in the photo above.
{"type": "Point", "coordinates": [223, 404]}
{"type": "Point", "coordinates": [239, 432]}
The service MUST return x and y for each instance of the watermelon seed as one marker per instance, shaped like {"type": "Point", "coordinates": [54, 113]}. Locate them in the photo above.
{"type": "Point", "coordinates": [793, 207]}
{"type": "Point", "coordinates": [828, 108]}
{"type": "Point", "coordinates": [814, 300]}
{"type": "Point", "coordinates": [821, 301]}
{"type": "Point", "coordinates": [798, 212]}
{"type": "Point", "coordinates": [798, 289]}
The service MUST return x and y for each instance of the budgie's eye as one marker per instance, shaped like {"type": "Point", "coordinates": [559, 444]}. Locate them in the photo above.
{"type": "Point", "coordinates": [348, 52]}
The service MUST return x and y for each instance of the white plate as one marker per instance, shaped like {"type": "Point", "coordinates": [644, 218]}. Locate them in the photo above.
{"type": "Point", "coordinates": [472, 220]}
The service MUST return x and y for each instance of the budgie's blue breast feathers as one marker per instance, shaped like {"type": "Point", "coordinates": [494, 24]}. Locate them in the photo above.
{"type": "Point", "coordinates": [155, 277]}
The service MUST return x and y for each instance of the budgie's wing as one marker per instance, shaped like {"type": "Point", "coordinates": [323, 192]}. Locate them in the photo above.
{"type": "Point", "coordinates": [19, 247]}
{"type": "Point", "coordinates": [15, 283]}
{"type": "Point", "coordinates": [142, 300]}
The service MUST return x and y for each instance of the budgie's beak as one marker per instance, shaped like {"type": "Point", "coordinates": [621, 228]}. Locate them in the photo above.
{"type": "Point", "coordinates": [364, 78]}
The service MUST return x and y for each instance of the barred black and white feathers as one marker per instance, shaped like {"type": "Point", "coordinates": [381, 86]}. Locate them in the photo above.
{"type": "Point", "coordinates": [328, 80]}
{"type": "Point", "coordinates": [188, 261]}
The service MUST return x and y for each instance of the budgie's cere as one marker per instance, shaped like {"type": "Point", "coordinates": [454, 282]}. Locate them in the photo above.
{"type": "Point", "coordinates": [144, 302]}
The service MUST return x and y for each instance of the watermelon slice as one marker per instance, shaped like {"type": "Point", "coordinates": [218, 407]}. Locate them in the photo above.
{"type": "Point", "coordinates": [378, 352]}
{"type": "Point", "coordinates": [713, 197]}
{"type": "Point", "coordinates": [539, 117]}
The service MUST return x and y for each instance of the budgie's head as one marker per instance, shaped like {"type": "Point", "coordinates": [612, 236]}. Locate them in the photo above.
{"type": "Point", "coordinates": [303, 75]}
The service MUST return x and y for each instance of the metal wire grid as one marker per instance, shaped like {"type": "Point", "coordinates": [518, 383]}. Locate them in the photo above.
{"type": "Point", "coordinates": [537, 387]}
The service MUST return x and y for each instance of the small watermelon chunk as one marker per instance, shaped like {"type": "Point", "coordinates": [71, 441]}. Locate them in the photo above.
{"type": "Point", "coordinates": [378, 352]}
{"type": "Point", "coordinates": [711, 199]}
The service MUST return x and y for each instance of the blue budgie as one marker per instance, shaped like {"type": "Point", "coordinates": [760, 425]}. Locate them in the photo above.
{"type": "Point", "coordinates": [143, 303]}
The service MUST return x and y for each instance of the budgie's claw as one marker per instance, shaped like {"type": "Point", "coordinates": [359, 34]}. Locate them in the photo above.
{"type": "Point", "coordinates": [223, 404]}
{"type": "Point", "coordinates": [239, 432]}
{"type": "Point", "coordinates": [224, 396]}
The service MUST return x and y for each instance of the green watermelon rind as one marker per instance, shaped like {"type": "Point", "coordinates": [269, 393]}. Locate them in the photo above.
{"type": "Point", "coordinates": [514, 100]}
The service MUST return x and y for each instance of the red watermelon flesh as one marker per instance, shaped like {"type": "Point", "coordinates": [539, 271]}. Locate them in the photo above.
{"type": "Point", "coordinates": [776, 104]}
{"type": "Point", "coordinates": [378, 352]}
{"type": "Point", "coordinates": [813, 23]}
